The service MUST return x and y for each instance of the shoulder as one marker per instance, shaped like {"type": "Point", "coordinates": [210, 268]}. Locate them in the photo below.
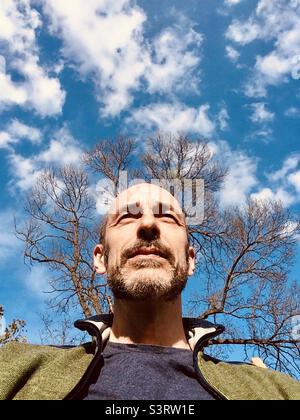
{"type": "Point", "coordinates": [32, 367]}
{"type": "Point", "coordinates": [16, 350]}
{"type": "Point", "coordinates": [248, 382]}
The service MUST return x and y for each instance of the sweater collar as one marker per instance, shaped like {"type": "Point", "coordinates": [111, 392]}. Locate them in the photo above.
{"type": "Point", "coordinates": [197, 330]}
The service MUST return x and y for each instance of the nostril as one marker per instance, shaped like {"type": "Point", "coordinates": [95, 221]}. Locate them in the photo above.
{"type": "Point", "coordinates": [148, 233]}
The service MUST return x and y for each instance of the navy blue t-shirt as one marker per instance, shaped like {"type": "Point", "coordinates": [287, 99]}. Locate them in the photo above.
{"type": "Point", "coordinates": [144, 372]}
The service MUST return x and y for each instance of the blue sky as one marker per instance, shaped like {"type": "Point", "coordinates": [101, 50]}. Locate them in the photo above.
{"type": "Point", "coordinates": [73, 72]}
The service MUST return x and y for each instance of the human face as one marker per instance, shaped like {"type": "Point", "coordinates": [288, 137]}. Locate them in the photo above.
{"type": "Point", "coordinates": [146, 253]}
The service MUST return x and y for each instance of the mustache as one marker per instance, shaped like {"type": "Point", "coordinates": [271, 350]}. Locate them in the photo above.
{"type": "Point", "coordinates": [164, 251]}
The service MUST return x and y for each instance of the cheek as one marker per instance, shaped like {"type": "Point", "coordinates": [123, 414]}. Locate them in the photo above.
{"type": "Point", "coordinates": [182, 252]}
{"type": "Point", "coordinates": [114, 257]}
{"type": "Point", "coordinates": [184, 258]}
{"type": "Point", "coordinates": [177, 242]}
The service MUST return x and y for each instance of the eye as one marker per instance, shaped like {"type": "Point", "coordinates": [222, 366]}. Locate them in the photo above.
{"type": "Point", "coordinates": [128, 216]}
{"type": "Point", "coordinates": [125, 216]}
{"type": "Point", "coordinates": [168, 216]}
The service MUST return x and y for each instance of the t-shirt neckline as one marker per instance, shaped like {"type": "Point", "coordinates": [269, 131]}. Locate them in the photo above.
{"type": "Point", "coordinates": [146, 348]}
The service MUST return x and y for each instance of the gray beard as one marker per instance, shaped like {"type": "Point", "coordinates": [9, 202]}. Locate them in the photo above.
{"type": "Point", "coordinates": [148, 289]}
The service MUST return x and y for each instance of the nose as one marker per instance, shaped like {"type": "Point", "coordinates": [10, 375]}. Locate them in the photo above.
{"type": "Point", "coordinates": [148, 229]}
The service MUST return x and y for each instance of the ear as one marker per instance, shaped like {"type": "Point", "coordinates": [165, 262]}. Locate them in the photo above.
{"type": "Point", "coordinates": [99, 260]}
{"type": "Point", "coordinates": [192, 261]}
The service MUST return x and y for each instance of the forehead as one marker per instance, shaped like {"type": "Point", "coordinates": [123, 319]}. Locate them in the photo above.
{"type": "Point", "coordinates": [144, 196]}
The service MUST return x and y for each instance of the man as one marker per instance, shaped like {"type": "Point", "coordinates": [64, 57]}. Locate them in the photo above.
{"type": "Point", "coordinates": [145, 350]}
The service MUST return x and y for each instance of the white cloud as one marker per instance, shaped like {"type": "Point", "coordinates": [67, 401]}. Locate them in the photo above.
{"type": "Point", "coordinates": [294, 179]}
{"type": "Point", "coordinates": [273, 68]}
{"type": "Point", "coordinates": [241, 178]}
{"type": "Point", "coordinates": [267, 194]}
{"type": "Point", "coordinates": [292, 112]}
{"type": "Point", "coordinates": [232, 2]}
{"type": "Point", "coordinates": [265, 134]}
{"type": "Point", "coordinates": [37, 281]}
{"type": "Point", "coordinates": [11, 93]}
{"type": "Point", "coordinates": [5, 140]}
{"type": "Point", "coordinates": [37, 91]}
{"type": "Point", "coordinates": [289, 165]}
{"type": "Point", "coordinates": [62, 150]}
{"type": "Point", "coordinates": [173, 59]}
{"type": "Point", "coordinates": [232, 54]}
{"type": "Point", "coordinates": [284, 183]}
{"type": "Point", "coordinates": [24, 171]}
{"type": "Point", "coordinates": [213, 147]}
{"type": "Point", "coordinates": [226, 8]}
{"type": "Point", "coordinates": [44, 94]}
{"type": "Point", "coordinates": [105, 40]}
{"type": "Point", "coordinates": [276, 22]}
{"type": "Point", "coordinates": [291, 228]}
{"type": "Point", "coordinates": [223, 119]}
{"type": "Point", "coordinates": [173, 118]}
{"type": "Point", "coordinates": [261, 114]}
{"type": "Point", "coordinates": [17, 131]}
{"type": "Point", "coordinates": [242, 181]}
{"type": "Point", "coordinates": [243, 33]}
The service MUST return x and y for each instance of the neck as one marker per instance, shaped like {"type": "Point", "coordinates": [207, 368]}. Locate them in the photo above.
{"type": "Point", "coordinates": [154, 323]}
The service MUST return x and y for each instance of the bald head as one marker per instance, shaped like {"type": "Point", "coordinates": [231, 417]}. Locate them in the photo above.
{"type": "Point", "coordinates": [139, 197]}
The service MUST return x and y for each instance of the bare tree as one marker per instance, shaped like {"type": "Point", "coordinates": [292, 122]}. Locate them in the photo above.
{"type": "Point", "coordinates": [247, 285]}
{"type": "Point", "coordinates": [11, 332]}
{"type": "Point", "coordinates": [169, 157]}
{"type": "Point", "coordinates": [110, 158]}
{"type": "Point", "coordinates": [59, 332]}
{"type": "Point", "coordinates": [61, 233]}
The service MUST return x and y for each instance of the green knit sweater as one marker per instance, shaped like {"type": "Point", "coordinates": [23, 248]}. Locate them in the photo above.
{"type": "Point", "coordinates": [29, 372]}
{"type": "Point", "coordinates": [46, 373]}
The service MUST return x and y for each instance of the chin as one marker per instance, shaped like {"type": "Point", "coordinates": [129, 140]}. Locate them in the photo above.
{"type": "Point", "coordinates": [147, 283]}
{"type": "Point", "coordinates": [150, 276]}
